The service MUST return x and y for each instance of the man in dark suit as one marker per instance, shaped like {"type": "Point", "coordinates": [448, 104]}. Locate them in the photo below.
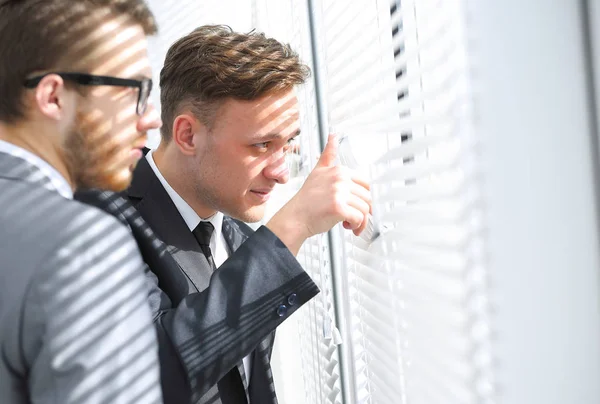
{"type": "Point", "coordinates": [230, 115]}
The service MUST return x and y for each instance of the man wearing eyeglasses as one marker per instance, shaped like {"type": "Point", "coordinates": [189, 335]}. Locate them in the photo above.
{"type": "Point", "coordinates": [230, 117]}
{"type": "Point", "coordinates": [75, 325]}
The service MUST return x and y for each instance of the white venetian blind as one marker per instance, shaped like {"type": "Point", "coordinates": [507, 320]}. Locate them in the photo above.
{"type": "Point", "coordinates": [362, 104]}
{"type": "Point", "coordinates": [415, 301]}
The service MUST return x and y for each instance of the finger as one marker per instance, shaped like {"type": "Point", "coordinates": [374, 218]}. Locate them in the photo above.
{"type": "Point", "coordinates": [365, 208]}
{"type": "Point", "coordinates": [353, 219]}
{"type": "Point", "coordinates": [356, 214]}
{"type": "Point", "coordinates": [360, 180]}
{"type": "Point", "coordinates": [358, 231]}
{"type": "Point", "coordinates": [329, 154]}
{"type": "Point", "coordinates": [360, 192]}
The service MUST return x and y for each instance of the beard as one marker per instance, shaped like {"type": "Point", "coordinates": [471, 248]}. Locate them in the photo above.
{"type": "Point", "coordinates": [96, 160]}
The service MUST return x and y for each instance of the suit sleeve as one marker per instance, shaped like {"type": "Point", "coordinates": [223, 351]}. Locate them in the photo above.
{"type": "Point", "coordinates": [208, 333]}
{"type": "Point", "coordinates": [90, 304]}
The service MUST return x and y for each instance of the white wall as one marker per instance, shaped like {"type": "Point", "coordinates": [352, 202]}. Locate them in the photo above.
{"type": "Point", "coordinates": [543, 222]}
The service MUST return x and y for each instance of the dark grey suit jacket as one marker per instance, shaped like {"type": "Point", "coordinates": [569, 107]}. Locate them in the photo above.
{"type": "Point", "coordinates": [202, 336]}
{"type": "Point", "coordinates": [75, 326]}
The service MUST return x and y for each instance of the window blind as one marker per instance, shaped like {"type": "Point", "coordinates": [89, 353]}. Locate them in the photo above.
{"type": "Point", "coordinates": [415, 301]}
{"type": "Point", "coordinates": [362, 104]}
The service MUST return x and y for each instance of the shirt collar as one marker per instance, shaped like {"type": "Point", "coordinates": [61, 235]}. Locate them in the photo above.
{"type": "Point", "coordinates": [58, 183]}
{"type": "Point", "coordinates": [189, 215]}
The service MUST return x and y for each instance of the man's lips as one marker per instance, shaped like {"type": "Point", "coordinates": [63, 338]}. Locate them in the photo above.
{"type": "Point", "coordinates": [262, 194]}
{"type": "Point", "coordinates": [138, 148]}
{"type": "Point", "coordinates": [264, 191]}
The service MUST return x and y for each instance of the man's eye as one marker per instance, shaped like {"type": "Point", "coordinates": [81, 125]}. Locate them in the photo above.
{"type": "Point", "coordinates": [262, 145]}
{"type": "Point", "coordinates": [291, 145]}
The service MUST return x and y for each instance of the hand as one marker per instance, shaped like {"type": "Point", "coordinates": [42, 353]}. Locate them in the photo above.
{"type": "Point", "coordinates": [331, 194]}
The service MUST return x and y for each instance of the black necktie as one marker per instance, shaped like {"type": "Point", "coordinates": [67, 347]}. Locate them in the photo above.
{"type": "Point", "coordinates": [202, 232]}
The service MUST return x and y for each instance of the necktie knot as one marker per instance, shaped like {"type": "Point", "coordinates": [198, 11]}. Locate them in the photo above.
{"type": "Point", "coordinates": [203, 232]}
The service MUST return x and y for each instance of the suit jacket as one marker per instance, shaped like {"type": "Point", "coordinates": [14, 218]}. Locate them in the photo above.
{"type": "Point", "coordinates": [204, 335]}
{"type": "Point", "coordinates": [75, 326]}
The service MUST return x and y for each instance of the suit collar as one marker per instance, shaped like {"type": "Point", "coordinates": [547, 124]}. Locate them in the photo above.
{"type": "Point", "coordinates": [141, 175]}
{"type": "Point", "coordinates": [188, 214]}
{"type": "Point", "coordinates": [19, 164]}
{"type": "Point", "coordinates": [233, 233]}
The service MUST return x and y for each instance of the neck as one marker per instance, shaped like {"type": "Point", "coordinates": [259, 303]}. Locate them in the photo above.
{"type": "Point", "coordinates": [38, 142]}
{"type": "Point", "coordinates": [171, 167]}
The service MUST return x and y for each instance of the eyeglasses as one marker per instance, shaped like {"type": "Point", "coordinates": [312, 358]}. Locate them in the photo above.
{"type": "Point", "coordinates": [144, 86]}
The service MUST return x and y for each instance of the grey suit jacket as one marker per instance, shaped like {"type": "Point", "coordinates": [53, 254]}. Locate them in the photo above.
{"type": "Point", "coordinates": [202, 336]}
{"type": "Point", "coordinates": [75, 326]}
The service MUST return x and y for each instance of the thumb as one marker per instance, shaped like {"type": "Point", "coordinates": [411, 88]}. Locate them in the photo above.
{"type": "Point", "coordinates": [329, 154]}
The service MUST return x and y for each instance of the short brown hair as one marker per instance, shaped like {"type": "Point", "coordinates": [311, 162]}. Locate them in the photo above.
{"type": "Point", "coordinates": [40, 35]}
{"type": "Point", "coordinates": [214, 63]}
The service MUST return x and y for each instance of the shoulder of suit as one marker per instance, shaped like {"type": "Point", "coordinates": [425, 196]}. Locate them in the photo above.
{"type": "Point", "coordinates": [67, 261]}
{"type": "Point", "coordinates": [54, 231]}
{"type": "Point", "coordinates": [87, 220]}
{"type": "Point", "coordinates": [110, 202]}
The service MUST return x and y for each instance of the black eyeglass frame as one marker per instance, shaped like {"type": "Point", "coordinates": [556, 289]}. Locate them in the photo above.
{"type": "Point", "coordinates": [144, 86]}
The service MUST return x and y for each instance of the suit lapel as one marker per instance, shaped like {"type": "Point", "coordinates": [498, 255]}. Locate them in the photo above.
{"type": "Point", "coordinates": [233, 234]}
{"type": "Point", "coordinates": [156, 207]}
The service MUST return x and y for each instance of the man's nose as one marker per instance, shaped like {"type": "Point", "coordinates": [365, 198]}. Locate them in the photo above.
{"type": "Point", "coordinates": [150, 120]}
{"type": "Point", "coordinates": [278, 169]}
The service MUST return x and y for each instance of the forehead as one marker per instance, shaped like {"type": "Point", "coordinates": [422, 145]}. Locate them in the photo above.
{"type": "Point", "coordinates": [272, 113]}
{"type": "Point", "coordinates": [282, 105]}
{"type": "Point", "coordinates": [117, 47]}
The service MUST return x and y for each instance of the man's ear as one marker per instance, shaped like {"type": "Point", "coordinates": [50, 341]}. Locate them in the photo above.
{"type": "Point", "coordinates": [187, 132]}
{"type": "Point", "coordinates": [52, 98]}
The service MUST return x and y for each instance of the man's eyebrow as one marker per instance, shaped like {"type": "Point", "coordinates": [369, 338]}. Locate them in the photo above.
{"type": "Point", "coordinates": [272, 136]}
{"type": "Point", "coordinates": [142, 76]}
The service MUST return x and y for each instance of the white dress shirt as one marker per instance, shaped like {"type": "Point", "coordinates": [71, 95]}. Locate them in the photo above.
{"type": "Point", "coordinates": [218, 245]}
{"type": "Point", "coordinates": [57, 181]}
